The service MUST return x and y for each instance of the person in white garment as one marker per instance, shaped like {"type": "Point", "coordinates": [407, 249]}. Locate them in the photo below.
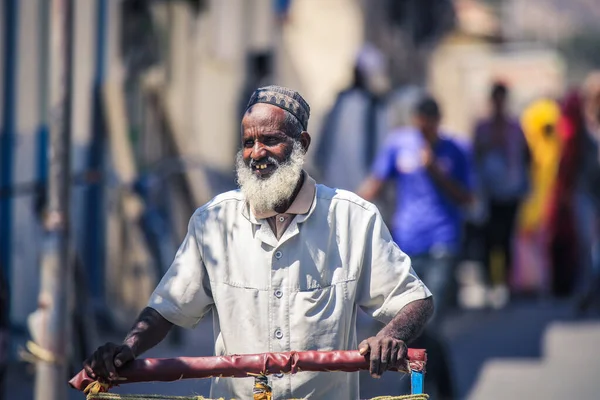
{"type": "Point", "coordinates": [356, 126]}
{"type": "Point", "coordinates": [284, 264]}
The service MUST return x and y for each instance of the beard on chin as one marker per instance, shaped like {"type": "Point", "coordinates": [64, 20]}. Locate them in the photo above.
{"type": "Point", "coordinates": [265, 194]}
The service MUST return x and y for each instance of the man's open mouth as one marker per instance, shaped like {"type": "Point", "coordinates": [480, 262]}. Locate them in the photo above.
{"type": "Point", "coordinates": [263, 168]}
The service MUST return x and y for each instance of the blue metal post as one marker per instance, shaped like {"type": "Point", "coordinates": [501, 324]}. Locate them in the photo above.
{"type": "Point", "coordinates": [416, 382]}
{"type": "Point", "coordinates": [95, 227]}
{"type": "Point", "coordinates": [282, 6]}
{"type": "Point", "coordinates": [43, 72]}
{"type": "Point", "coordinates": [54, 331]}
{"type": "Point", "coordinates": [9, 131]}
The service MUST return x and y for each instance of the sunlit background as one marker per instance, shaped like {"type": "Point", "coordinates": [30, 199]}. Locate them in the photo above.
{"type": "Point", "coordinates": [157, 92]}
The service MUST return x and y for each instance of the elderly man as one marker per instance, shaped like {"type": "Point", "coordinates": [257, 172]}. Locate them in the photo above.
{"type": "Point", "coordinates": [283, 263]}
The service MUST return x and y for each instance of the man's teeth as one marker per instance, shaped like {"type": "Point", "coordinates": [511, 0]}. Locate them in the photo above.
{"type": "Point", "coordinates": [261, 166]}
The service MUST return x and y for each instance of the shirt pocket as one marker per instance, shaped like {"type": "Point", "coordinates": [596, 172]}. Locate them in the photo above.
{"type": "Point", "coordinates": [321, 318]}
{"type": "Point", "coordinates": [313, 279]}
{"type": "Point", "coordinates": [317, 266]}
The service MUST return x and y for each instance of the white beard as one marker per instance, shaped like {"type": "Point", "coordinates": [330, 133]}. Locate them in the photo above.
{"type": "Point", "coordinates": [266, 194]}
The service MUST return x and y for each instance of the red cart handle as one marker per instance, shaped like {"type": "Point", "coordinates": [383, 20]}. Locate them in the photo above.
{"type": "Point", "coordinates": [242, 366]}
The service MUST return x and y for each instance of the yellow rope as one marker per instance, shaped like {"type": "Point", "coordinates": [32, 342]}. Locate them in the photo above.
{"type": "Point", "coordinates": [262, 391]}
{"type": "Point", "coordinates": [113, 396]}
{"type": "Point", "coordinates": [265, 394]}
{"type": "Point", "coordinates": [41, 353]}
{"type": "Point", "coordinates": [96, 387]}
{"type": "Point", "coordinates": [35, 353]}
{"type": "Point", "coordinates": [405, 397]}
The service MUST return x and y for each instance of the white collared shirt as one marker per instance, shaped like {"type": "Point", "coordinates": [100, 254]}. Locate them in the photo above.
{"type": "Point", "coordinates": [300, 292]}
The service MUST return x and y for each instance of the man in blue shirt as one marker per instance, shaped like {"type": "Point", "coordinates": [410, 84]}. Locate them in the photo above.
{"type": "Point", "coordinates": [432, 174]}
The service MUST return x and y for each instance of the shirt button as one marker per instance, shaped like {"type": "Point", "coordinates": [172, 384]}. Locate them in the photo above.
{"type": "Point", "coordinates": [281, 219]}
{"type": "Point", "coordinates": [278, 334]}
{"type": "Point", "coordinates": [278, 255]}
{"type": "Point", "coordinates": [278, 293]}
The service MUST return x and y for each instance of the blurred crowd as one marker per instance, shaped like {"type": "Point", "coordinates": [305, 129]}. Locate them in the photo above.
{"type": "Point", "coordinates": [512, 213]}
{"type": "Point", "coordinates": [521, 198]}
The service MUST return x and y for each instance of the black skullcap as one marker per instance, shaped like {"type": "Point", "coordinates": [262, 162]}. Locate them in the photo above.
{"type": "Point", "coordinates": [284, 98]}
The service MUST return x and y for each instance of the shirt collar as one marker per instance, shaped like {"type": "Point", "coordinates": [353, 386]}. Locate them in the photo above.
{"type": "Point", "coordinates": [301, 205]}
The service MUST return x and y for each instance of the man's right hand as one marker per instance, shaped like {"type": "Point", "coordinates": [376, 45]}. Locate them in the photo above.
{"type": "Point", "coordinates": [149, 329]}
{"type": "Point", "coordinates": [105, 361]}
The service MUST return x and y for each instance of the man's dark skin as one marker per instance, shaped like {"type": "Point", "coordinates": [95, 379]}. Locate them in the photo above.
{"type": "Point", "coordinates": [429, 128]}
{"type": "Point", "coordinates": [264, 135]}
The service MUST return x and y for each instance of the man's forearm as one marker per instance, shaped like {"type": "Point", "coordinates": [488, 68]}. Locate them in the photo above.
{"type": "Point", "coordinates": [408, 324]}
{"type": "Point", "coordinates": [148, 330]}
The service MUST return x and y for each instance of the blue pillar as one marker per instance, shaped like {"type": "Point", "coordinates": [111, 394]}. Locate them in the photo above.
{"type": "Point", "coordinates": [41, 166]}
{"type": "Point", "coordinates": [95, 226]}
{"type": "Point", "coordinates": [282, 7]}
{"type": "Point", "coordinates": [9, 131]}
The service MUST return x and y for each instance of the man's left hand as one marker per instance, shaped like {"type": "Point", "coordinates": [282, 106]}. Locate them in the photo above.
{"type": "Point", "coordinates": [427, 157]}
{"type": "Point", "coordinates": [385, 352]}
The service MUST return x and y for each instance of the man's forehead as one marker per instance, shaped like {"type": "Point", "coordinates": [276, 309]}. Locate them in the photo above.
{"type": "Point", "coordinates": [263, 114]}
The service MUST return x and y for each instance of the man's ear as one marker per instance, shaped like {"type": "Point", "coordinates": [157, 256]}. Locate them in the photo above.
{"type": "Point", "coordinates": [305, 140]}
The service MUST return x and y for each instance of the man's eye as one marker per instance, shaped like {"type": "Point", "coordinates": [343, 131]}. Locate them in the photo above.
{"type": "Point", "coordinates": [249, 143]}
{"type": "Point", "coordinates": [271, 141]}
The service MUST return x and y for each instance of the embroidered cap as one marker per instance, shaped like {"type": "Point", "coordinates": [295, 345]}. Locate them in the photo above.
{"type": "Point", "coordinates": [284, 98]}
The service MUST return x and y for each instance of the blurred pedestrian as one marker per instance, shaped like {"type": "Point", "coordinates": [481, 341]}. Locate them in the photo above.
{"type": "Point", "coordinates": [532, 265]}
{"type": "Point", "coordinates": [432, 174]}
{"type": "Point", "coordinates": [501, 159]}
{"type": "Point", "coordinates": [562, 227]}
{"type": "Point", "coordinates": [588, 193]}
{"type": "Point", "coordinates": [355, 126]}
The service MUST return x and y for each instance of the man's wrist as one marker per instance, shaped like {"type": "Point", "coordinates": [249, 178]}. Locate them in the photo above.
{"type": "Point", "coordinates": [132, 343]}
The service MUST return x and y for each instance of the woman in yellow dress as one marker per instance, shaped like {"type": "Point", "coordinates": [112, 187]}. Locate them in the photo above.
{"type": "Point", "coordinates": [539, 122]}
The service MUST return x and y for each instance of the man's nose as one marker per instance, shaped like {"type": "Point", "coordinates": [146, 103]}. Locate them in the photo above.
{"type": "Point", "coordinates": [258, 151]}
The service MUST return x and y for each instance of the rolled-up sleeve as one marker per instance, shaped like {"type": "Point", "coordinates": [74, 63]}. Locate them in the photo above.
{"type": "Point", "coordinates": [184, 294]}
{"type": "Point", "coordinates": [387, 281]}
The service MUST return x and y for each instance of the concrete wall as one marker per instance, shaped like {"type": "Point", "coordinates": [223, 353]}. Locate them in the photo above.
{"type": "Point", "coordinates": [315, 49]}
{"type": "Point", "coordinates": [27, 234]}
{"type": "Point", "coordinates": [316, 55]}
{"type": "Point", "coordinates": [217, 65]}
{"type": "Point", "coordinates": [205, 70]}
{"type": "Point", "coordinates": [460, 76]}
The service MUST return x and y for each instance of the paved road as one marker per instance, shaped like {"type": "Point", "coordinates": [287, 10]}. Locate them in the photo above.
{"type": "Point", "coordinates": [474, 337]}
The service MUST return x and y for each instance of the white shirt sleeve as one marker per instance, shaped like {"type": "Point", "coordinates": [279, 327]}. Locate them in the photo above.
{"type": "Point", "coordinates": [184, 294]}
{"type": "Point", "coordinates": [387, 281]}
